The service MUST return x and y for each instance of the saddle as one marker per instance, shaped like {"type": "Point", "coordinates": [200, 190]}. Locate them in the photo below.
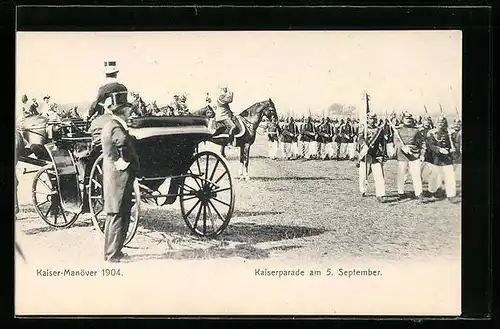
{"type": "Point", "coordinates": [222, 129]}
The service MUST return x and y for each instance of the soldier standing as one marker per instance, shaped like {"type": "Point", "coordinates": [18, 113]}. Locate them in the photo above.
{"type": "Point", "coordinates": [426, 167]}
{"type": "Point", "coordinates": [272, 131]}
{"type": "Point", "coordinates": [336, 139]}
{"type": "Point", "coordinates": [371, 157]}
{"type": "Point", "coordinates": [326, 139]}
{"type": "Point", "coordinates": [120, 166]}
{"type": "Point", "coordinates": [441, 150]}
{"type": "Point", "coordinates": [288, 138]}
{"type": "Point", "coordinates": [410, 151]}
{"type": "Point", "coordinates": [308, 135]}
{"type": "Point", "coordinates": [456, 137]}
{"type": "Point", "coordinates": [301, 146]}
{"type": "Point", "coordinates": [349, 138]}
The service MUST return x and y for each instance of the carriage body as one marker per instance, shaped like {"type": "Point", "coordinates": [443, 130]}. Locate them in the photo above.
{"type": "Point", "coordinates": [168, 151]}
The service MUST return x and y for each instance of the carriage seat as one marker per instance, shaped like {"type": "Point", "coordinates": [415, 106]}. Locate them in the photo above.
{"type": "Point", "coordinates": [170, 121]}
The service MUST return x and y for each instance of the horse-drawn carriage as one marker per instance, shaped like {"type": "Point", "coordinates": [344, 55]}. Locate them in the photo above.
{"type": "Point", "coordinates": [69, 179]}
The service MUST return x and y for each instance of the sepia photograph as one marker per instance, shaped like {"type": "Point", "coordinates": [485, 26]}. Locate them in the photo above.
{"type": "Point", "coordinates": [238, 173]}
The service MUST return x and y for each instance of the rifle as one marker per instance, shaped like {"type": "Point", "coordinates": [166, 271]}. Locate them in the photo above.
{"type": "Point", "coordinates": [425, 109]}
{"type": "Point", "coordinates": [441, 109]}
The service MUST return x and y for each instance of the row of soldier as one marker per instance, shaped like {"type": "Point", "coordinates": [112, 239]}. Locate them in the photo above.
{"type": "Point", "coordinates": [328, 139]}
{"type": "Point", "coordinates": [421, 149]}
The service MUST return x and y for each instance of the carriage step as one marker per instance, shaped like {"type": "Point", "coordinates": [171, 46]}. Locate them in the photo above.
{"type": "Point", "coordinates": [28, 171]}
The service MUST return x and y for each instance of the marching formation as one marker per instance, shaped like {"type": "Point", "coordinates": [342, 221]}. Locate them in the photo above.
{"type": "Point", "coordinates": [421, 148]}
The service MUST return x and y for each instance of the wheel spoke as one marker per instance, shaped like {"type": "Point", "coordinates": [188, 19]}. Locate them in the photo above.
{"type": "Point", "coordinates": [197, 217]}
{"type": "Point", "coordinates": [218, 213]}
{"type": "Point", "coordinates": [42, 203]}
{"type": "Point", "coordinates": [224, 203]}
{"type": "Point", "coordinates": [99, 169]}
{"type": "Point", "coordinates": [189, 171]}
{"type": "Point", "coordinates": [214, 170]}
{"type": "Point", "coordinates": [222, 189]}
{"type": "Point", "coordinates": [96, 182]}
{"type": "Point", "coordinates": [42, 193]}
{"type": "Point", "coordinates": [206, 168]}
{"type": "Point", "coordinates": [205, 217]}
{"type": "Point", "coordinates": [192, 189]}
{"type": "Point", "coordinates": [191, 210]}
{"type": "Point", "coordinates": [198, 164]}
{"type": "Point", "coordinates": [220, 177]}
{"type": "Point", "coordinates": [50, 208]}
{"type": "Point", "coordinates": [45, 183]}
{"type": "Point", "coordinates": [190, 198]}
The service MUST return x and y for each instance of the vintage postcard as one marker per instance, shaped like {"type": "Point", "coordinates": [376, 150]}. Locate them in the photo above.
{"type": "Point", "coordinates": [238, 173]}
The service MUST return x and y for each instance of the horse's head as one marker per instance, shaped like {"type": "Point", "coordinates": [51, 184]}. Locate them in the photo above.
{"type": "Point", "coordinates": [269, 110]}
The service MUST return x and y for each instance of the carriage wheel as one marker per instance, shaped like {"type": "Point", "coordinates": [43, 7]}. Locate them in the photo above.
{"type": "Point", "coordinates": [207, 202]}
{"type": "Point", "coordinates": [46, 199]}
{"type": "Point", "coordinates": [96, 202]}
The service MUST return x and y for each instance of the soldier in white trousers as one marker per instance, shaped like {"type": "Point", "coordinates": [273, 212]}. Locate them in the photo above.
{"type": "Point", "coordinates": [441, 149]}
{"type": "Point", "coordinates": [371, 157]}
{"type": "Point", "coordinates": [410, 150]}
{"type": "Point", "coordinates": [272, 131]}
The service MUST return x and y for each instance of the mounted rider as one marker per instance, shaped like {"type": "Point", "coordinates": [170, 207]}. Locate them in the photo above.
{"type": "Point", "coordinates": [183, 108]}
{"type": "Point", "coordinates": [225, 114]}
{"type": "Point", "coordinates": [111, 86]}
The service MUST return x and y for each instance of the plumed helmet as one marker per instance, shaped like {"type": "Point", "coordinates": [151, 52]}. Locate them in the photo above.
{"type": "Point", "coordinates": [442, 120]}
{"type": "Point", "coordinates": [24, 98]}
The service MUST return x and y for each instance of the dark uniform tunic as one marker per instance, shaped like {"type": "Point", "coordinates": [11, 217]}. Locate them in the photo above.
{"type": "Point", "coordinates": [413, 138]}
{"type": "Point", "coordinates": [103, 93]}
{"type": "Point", "coordinates": [289, 133]}
{"type": "Point", "coordinates": [427, 154]}
{"type": "Point", "coordinates": [439, 139]}
{"type": "Point", "coordinates": [272, 130]}
{"type": "Point", "coordinates": [375, 140]}
{"type": "Point", "coordinates": [308, 132]}
{"type": "Point", "coordinates": [456, 137]}
{"type": "Point", "coordinates": [325, 133]}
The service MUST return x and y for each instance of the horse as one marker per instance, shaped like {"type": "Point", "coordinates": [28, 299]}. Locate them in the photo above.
{"type": "Point", "coordinates": [247, 123]}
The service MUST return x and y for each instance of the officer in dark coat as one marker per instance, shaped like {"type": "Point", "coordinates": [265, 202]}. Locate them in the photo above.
{"type": "Point", "coordinates": [111, 86]}
{"type": "Point", "coordinates": [120, 166]}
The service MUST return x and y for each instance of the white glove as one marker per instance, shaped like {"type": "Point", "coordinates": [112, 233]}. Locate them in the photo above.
{"type": "Point", "coordinates": [120, 164]}
{"type": "Point", "coordinates": [443, 151]}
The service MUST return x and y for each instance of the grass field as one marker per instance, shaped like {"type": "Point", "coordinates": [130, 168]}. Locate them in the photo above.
{"type": "Point", "coordinates": [288, 210]}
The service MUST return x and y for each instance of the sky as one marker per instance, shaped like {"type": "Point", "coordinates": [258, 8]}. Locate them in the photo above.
{"type": "Point", "coordinates": [298, 70]}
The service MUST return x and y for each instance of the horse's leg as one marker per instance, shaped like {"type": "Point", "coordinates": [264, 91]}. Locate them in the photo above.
{"type": "Point", "coordinates": [223, 151]}
{"type": "Point", "coordinates": [247, 159]}
{"type": "Point", "coordinates": [242, 161]}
